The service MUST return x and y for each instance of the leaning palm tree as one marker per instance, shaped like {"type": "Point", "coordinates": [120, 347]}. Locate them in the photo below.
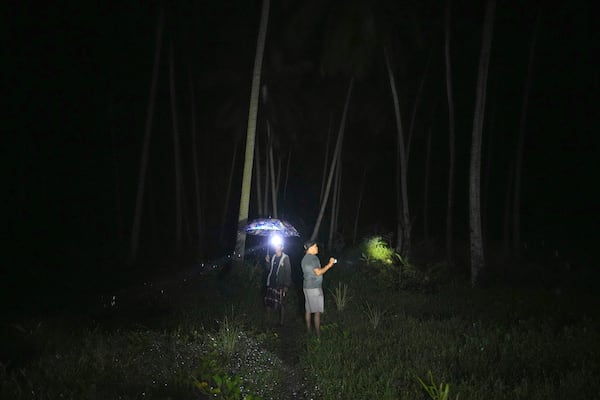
{"type": "Point", "coordinates": [520, 143]}
{"type": "Point", "coordinates": [354, 35]}
{"type": "Point", "coordinates": [477, 253]}
{"type": "Point", "coordinates": [250, 134]}
{"type": "Point", "coordinates": [451, 140]}
{"type": "Point", "coordinates": [139, 202]}
{"type": "Point", "coordinates": [176, 157]}
{"type": "Point", "coordinates": [336, 155]}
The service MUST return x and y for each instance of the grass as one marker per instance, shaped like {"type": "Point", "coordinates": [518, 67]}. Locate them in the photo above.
{"type": "Point", "coordinates": [341, 296]}
{"type": "Point", "coordinates": [454, 342]}
{"type": "Point", "coordinates": [484, 344]}
{"type": "Point", "coordinates": [374, 315]}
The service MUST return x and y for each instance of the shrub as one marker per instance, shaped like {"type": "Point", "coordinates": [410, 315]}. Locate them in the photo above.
{"type": "Point", "coordinates": [376, 251]}
{"type": "Point", "coordinates": [393, 270]}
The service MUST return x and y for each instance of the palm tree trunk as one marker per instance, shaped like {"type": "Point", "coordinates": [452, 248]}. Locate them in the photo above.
{"type": "Point", "coordinates": [338, 198]}
{"type": "Point", "coordinates": [426, 187]}
{"type": "Point", "coordinates": [506, 239]}
{"type": "Point", "coordinates": [257, 177]}
{"type": "Point", "coordinates": [115, 160]}
{"type": "Point", "coordinates": [325, 172]}
{"type": "Point", "coordinates": [336, 154]}
{"type": "Point", "coordinates": [413, 117]}
{"type": "Point", "coordinates": [272, 172]}
{"type": "Point", "coordinates": [334, 204]}
{"type": "Point", "coordinates": [477, 253]}
{"type": "Point", "coordinates": [487, 177]}
{"type": "Point", "coordinates": [139, 200]}
{"type": "Point", "coordinates": [196, 161]}
{"type": "Point", "coordinates": [519, 161]}
{"type": "Point", "coordinates": [240, 244]}
{"type": "Point", "coordinates": [360, 198]}
{"type": "Point", "coordinates": [451, 141]}
{"type": "Point", "coordinates": [228, 192]}
{"type": "Point", "coordinates": [267, 180]}
{"type": "Point", "coordinates": [176, 156]}
{"type": "Point", "coordinates": [154, 224]}
{"type": "Point", "coordinates": [287, 176]}
{"type": "Point", "coordinates": [404, 228]}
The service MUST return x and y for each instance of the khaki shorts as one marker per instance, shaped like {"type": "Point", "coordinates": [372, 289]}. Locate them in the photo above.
{"type": "Point", "coordinates": [313, 300]}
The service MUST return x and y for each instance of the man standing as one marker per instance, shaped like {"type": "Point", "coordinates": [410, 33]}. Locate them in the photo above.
{"type": "Point", "coordinates": [279, 279]}
{"type": "Point", "coordinates": [312, 286]}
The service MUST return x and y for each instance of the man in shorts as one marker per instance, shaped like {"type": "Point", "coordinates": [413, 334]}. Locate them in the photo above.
{"type": "Point", "coordinates": [313, 285]}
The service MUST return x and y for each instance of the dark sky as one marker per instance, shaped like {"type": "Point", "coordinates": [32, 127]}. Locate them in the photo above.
{"type": "Point", "coordinates": [76, 80]}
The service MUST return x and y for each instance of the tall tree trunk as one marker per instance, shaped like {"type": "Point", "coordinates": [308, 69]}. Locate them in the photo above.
{"type": "Point", "coordinates": [336, 154]}
{"type": "Point", "coordinates": [186, 221]}
{"type": "Point", "coordinates": [516, 244]}
{"type": "Point", "coordinates": [325, 172]}
{"type": "Point", "coordinates": [272, 172]}
{"type": "Point", "coordinates": [334, 204]}
{"type": "Point", "coordinates": [426, 236]}
{"type": "Point", "coordinates": [287, 176]}
{"type": "Point", "coordinates": [139, 200]}
{"type": "Point", "coordinates": [115, 159]}
{"type": "Point", "coordinates": [196, 161]}
{"type": "Point", "coordinates": [413, 117]}
{"type": "Point", "coordinates": [487, 177]}
{"type": "Point", "coordinates": [257, 177]}
{"type": "Point", "coordinates": [278, 180]}
{"type": "Point", "coordinates": [451, 141]}
{"type": "Point", "coordinates": [176, 156]}
{"type": "Point", "coordinates": [228, 192]}
{"type": "Point", "coordinates": [404, 223]}
{"type": "Point", "coordinates": [336, 220]}
{"type": "Point", "coordinates": [506, 239]}
{"type": "Point", "coordinates": [267, 180]}
{"type": "Point", "coordinates": [477, 253]}
{"type": "Point", "coordinates": [360, 198]}
{"type": "Point", "coordinates": [154, 223]}
{"type": "Point", "coordinates": [240, 244]}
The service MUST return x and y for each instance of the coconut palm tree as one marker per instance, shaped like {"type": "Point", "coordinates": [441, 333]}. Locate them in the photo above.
{"type": "Point", "coordinates": [250, 134]}
{"type": "Point", "coordinates": [451, 139]}
{"type": "Point", "coordinates": [520, 143]}
{"type": "Point", "coordinates": [356, 31]}
{"type": "Point", "coordinates": [139, 202]}
{"type": "Point", "coordinates": [476, 236]}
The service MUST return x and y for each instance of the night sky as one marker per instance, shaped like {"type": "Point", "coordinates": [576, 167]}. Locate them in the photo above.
{"type": "Point", "coordinates": [75, 88]}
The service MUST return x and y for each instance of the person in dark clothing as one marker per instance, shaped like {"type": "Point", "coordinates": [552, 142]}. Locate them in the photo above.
{"type": "Point", "coordinates": [279, 279]}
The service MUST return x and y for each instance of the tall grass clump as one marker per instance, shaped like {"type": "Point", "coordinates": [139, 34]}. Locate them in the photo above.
{"type": "Point", "coordinates": [341, 296]}
{"type": "Point", "coordinates": [436, 392]}
{"type": "Point", "coordinates": [374, 315]}
{"type": "Point", "coordinates": [228, 335]}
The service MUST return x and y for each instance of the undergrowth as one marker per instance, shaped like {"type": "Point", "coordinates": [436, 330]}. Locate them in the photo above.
{"type": "Point", "coordinates": [378, 341]}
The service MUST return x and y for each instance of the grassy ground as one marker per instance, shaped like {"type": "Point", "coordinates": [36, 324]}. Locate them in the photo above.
{"type": "Point", "coordinates": [209, 337]}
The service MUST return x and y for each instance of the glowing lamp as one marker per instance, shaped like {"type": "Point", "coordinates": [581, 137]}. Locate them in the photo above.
{"type": "Point", "coordinates": [276, 240]}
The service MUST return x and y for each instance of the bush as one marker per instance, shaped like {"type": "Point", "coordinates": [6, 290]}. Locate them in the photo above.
{"type": "Point", "coordinates": [392, 269]}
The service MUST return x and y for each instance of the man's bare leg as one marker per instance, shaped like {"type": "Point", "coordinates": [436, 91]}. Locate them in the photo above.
{"type": "Point", "coordinates": [307, 319]}
{"type": "Point", "coordinates": [318, 323]}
